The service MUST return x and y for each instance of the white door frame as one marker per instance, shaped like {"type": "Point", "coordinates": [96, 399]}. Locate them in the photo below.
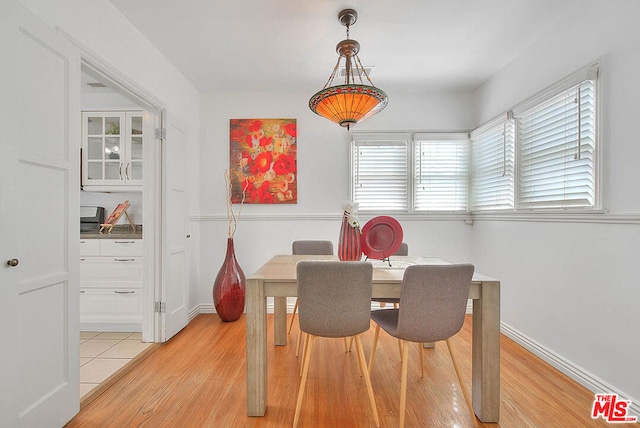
{"type": "Point", "coordinates": [152, 191]}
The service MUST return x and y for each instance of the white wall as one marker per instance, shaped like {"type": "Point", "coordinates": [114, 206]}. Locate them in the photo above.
{"type": "Point", "coordinates": [571, 286]}
{"type": "Point", "coordinates": [323, 173]}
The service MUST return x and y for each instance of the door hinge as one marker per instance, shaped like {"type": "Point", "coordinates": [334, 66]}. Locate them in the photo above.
{"type": "Point", "coordinates": [161, 133]}
{"type": "Point", "coordinates": [160, 307]}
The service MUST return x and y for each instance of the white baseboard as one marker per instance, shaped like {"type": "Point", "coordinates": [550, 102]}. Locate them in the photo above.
{"type": "Point", "coordinates": [577, 373]}
{"type": "Point", "coordinates": [210, 309]}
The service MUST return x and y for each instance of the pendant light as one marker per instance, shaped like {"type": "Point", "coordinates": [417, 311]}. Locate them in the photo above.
{"type": "Point", "coordinates": [350, 103]}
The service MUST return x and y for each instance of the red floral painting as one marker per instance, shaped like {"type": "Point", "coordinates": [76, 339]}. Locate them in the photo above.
{"type": "Point", "coordinates": [263, 161]}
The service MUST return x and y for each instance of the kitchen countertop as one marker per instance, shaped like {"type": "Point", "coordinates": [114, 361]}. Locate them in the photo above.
{"type": "Point", "coordinates": [120, 231]}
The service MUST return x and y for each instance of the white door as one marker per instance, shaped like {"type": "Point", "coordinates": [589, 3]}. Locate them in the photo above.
{"type": "Point", "coordinates": [175, 283]}
{"type": "Point", "coordinates": [39, 215]}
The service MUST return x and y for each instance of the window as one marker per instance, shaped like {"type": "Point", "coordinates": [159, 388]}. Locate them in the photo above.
{"type": "Point", "coordinates": [492, 153]}
{"type": "Point", "coordinates": [441, 174]}
{"type": "Point", "coordinates": [380, 171]}
{"type": "Point", "coordinates": [541, 155]}
{"type": "Point", "coordinates": [552, 138]}
{"type": "Point", "coordinates": [556, 141]}
{"type": "Point", "coordinates": [406, 172]}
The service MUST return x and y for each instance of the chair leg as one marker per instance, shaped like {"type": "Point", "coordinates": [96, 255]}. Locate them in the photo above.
{"type": "Point", "coordinates": [367, 380]}
{"type": "Point", "coordinates": [462, 387]}
{"type": "Point", "coordinates": [299, 342]}
{"type": "Point", "coordinates": [361, 367]}
{"type": "Point", "coordinates": [305, 339]}
{"type": "Point", "coordinates": [421, 359]}
{"type": "Point", "coordinates": [305, 372]}
{"type": "Point", "coordinates": [293, 316]}
{"type": "Point", "coordinates": [403, 383]}
{"type": "Point", "coordinates": [400, 349]}
{"type": "Point", "coordinates": [357, 356]}
{"type": "Point", "coordinates": [373, 348]}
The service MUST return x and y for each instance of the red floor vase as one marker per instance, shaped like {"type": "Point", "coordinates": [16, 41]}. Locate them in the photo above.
{"type": "Point", "coordinates": [229, 287]}
{"type": "Point", "coordinates": [349, 241]}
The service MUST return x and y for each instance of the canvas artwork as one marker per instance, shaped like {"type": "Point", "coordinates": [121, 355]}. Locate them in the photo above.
{"type": "Point", "coordinates": [263, 161]}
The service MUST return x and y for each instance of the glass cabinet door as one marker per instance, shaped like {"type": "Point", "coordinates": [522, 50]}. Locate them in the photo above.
{"type": "Point", "coordinates": [112, 149]}
{"type": "Point", "coordinates": [103, 141]}
{"type": "Point", "coordinates": [134, 160]}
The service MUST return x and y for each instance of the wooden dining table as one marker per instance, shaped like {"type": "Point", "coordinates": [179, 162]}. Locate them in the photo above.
{"type": "Point", "coordinates": [277, 279]}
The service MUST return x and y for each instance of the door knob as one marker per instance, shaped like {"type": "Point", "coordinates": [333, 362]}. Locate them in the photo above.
{"type": "Point", "coordinates": [13, 262]}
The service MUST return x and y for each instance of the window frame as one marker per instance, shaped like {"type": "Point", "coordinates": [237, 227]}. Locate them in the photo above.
{"type": "Point", "coordinates": [411, 138]}
{"type": "Point", "coordinates": [509, 160]}
{"type": "Point", "coordinates": [590, 72]}
{"type": "Point", "coordinates": [379, 137]}
{"type": "Point", "coordinates": [454, 138]}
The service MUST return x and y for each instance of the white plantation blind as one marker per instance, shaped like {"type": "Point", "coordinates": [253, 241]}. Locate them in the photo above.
{"type": "Point", "coordinates": [492, 176]}
{"type": "Point", "coordinates": [556, 141]}
{"type": "Point", "coordinates": [380, 172]}
{"type": "Point", "coordinates": [441, 174]}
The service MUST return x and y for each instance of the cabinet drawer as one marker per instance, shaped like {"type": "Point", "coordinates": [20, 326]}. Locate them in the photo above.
{"type": "Point", "coordinates": [123, 272]}
{"type": "Point", "coordinates": [112, 305]}
{"type": "Point", "coordinates": [89, 247]}
{"type": "Point", "coordinates": [121, 247]}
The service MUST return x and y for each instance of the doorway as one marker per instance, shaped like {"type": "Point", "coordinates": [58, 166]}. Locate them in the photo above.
{"type": "Point", "coordinates": [108, 343]}
{"type": "Point", "coordinates": [165, 303]}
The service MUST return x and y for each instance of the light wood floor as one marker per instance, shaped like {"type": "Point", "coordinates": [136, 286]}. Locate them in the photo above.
{"type": "Point", "coordinates": [197, 379]}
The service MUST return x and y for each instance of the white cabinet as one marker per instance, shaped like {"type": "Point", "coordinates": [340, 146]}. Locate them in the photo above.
{"type": "Point", "coordinates": [112, 145]}
{"type": "Point", "coordinates": [107, 309]}
{"type": "Point", "coordinates": [111, 277]}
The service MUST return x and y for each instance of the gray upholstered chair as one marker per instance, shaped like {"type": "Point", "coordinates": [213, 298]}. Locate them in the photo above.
{"type": "Point", "coordinates": [403, 250]}
{"type": "Point", "coordinates": [433, 302]}
{"type": "Point", "coordinates": [312, 247]}
{"type": "Point", "coordinates": [320, 248]}
{"type": "Point", "coordinates": [334, 301]}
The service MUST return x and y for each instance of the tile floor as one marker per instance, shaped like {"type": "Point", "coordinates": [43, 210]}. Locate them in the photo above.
{"type": "Point", "coordinates": [102, 354]}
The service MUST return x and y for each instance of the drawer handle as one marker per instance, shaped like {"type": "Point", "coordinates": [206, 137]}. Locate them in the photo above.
{"type": "Point", "coordinates": [124, 292]}
{"type": "Point", "coordinates": [81, 291]}
{"type": "Point", "coordinates": [124, 242]}
{"type": "Point", "coordinates": [125, 260]}
{"type": "Point", "coordinates": [82, 259]}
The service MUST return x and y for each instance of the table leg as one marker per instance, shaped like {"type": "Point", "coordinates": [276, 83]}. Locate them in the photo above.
{"type": "Point", "coordinates": [256, 317]}
{"type": "Point", "coordinates": [486, 353]}
{"type": "Point", "coordinates": [280, 320]}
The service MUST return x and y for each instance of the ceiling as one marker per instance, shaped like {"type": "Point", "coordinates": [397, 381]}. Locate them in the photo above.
{"type": "Point", "coordinates": [289, 45]}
